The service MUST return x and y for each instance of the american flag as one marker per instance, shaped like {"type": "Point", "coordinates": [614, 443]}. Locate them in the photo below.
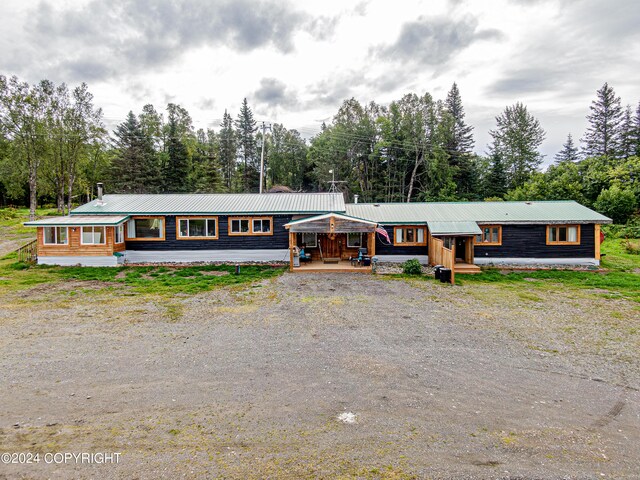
{"type": "Point", "coordinates": [384, 233]}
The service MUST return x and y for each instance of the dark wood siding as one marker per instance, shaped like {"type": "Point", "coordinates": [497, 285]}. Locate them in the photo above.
{"type": "Point", "coordinates": [384, 249]}
{"type": "Point", "coordinates": [529, 241]}
{"type": "Point", "coordinates": [279, 239]}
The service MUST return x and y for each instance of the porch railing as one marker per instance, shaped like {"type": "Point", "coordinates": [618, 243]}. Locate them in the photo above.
{"type": "Point", "coordinates": [29, 252]}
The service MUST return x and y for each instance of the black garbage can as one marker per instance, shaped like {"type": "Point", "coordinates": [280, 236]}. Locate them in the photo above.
{"type": "Point", "coordinates": [436, 271]}
{"type": "Point", "coordinates": [366, 261]}
{"type": "Point", "coordinates": [445, 275]}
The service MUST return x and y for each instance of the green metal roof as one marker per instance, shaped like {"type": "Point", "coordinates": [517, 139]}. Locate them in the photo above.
{"type": "Point", "coordinates": [79, 221]}
{"type": "Point", "coordinates": [218, 203]}
{"type": "Point", "coordinates": [454, 228]}
{"type": "Point", "coordinates": [481, 212]}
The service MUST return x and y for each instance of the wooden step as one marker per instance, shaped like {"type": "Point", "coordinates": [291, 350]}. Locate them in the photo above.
{"type": "Point", "coordinates": [466, 268]}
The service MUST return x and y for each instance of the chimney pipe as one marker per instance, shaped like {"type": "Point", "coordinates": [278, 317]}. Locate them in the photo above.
{"type": "Point", "coordinates": [355, 198]}
{"type": "Point", "coordinates": [100, 202]}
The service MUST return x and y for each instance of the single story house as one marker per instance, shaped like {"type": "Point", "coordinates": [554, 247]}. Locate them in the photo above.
{"type": "Point", "coordinates": [142, 228]}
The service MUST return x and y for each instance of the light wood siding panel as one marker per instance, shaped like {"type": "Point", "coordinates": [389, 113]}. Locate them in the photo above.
{"type": "Point", "coordinates": [74, 248]}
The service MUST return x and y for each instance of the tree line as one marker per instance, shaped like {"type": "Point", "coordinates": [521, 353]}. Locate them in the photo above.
{"type": "Point", "coordinates": [54, 148]}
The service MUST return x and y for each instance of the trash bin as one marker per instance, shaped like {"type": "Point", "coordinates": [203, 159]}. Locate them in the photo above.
{"type": "Point", "coordinates": [296, 260]}
{"type": "Point", "coordinates": [366, 261]}
{"type": "Point", "coordinates": [436, 271]}
{"type": "Point", "coordinates": [445, 275]}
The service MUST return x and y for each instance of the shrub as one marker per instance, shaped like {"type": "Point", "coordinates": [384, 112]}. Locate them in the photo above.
{"type": "Point", "coordinates": [632, 247]}
{"type": "Point", "coordinates": [616, 203]}
{"type": "Point", "coordinates": [8, 213]}
{"type": "Point", "coordinates": [412, 267]}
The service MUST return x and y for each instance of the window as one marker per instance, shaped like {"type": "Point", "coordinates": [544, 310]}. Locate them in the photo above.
{"type": "Point", "coordinates": [563, 234]}
{"type": "Point", "coordinates": [250, 226]}
{"type": "Point", "coordinates": [309, 239]}
{"type": "Point", "coordinates": [409, 236]}
{"type": "Point", "coordinates": [262, 225]}
{"type": "Point", "coordinates": [491, 235]}
{"type": "Point", "coordinates": [145, 228]}
{"type": "Point", "coordinates": [92, 236]}
{"type": "Point", "coordinates": [354, 240]}
{"type": "Point", "coordinates": [197, 228]}
{"type": "Point", "coordinates": [55, 235]}
{"type": "Point", "coordinates": [119, 233]}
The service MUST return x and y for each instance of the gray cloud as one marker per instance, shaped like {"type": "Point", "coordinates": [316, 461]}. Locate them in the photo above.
{"type": "Point", "coordinates": [273, 93]}
{"type": "Point", "coordinates": [433, 41]}
{"type": "Point", "coordinates": [130, 36]}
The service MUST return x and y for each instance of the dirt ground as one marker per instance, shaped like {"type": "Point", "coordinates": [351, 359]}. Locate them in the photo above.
{"type": "Point", "coordinates": [473, 381]}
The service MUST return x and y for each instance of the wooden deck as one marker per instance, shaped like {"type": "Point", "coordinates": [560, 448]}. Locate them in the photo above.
{"type": "Point", "coordinates": [343, 266]}
{"type": "Point", "coordinates": [466, 268]}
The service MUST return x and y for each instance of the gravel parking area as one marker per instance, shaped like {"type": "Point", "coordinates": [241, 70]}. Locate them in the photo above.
{"type": "Point", "coordinates": [322, 376]}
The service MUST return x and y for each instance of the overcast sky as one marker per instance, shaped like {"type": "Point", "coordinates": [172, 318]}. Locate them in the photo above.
{"type": "Point", "coordinates": [297, 61]}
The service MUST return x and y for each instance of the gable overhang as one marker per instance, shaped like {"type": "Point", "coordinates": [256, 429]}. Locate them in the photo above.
{"type": "Point", "coordinates": [331, 223]}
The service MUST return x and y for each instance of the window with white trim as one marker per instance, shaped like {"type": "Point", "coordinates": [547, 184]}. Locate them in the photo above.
{"type": "Point", "coordinates": [93, 236]}
{"type": "Point", "coordinates": [250, 225]}
{"type": "Point", "coordinates": [409, 236]}
{"type": "Point", "coordinates": [118, 232]}
{"type": "Point", "coordinates": [563, 234]}
{"type": "Point", "coordinates": [354, 240]}
{"type": "Point", "coordinates": [145, 228]}
{"type": "Point", "coordinates": [198, 228]}
{"type": "Point", "coordinates": [56, 235]}
{"type": "Point", "coordinates": [309, 239]}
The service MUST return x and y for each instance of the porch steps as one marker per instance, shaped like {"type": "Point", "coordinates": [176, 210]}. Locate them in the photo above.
{"type": "Point", "coordinates": [466, 268]}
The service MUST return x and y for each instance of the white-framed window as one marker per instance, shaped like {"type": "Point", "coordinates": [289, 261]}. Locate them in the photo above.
{"type": "Point", "coordinates": [56, 235]}
{"type": "Point", "coordinates": [261, 225]}
{"type": "Point", "coordinates": [145, 228]}
{"type": "Point", "coordinates": [354, 240]}
{"type": "Point", "coordinates": [198, 227]}
{"type": "Point", "coordinates": [250, 226]}
{"type": "Point", "coordinates": [409, 236]}
{"type": "Point", "coordinates": [309, 239]}
{"type": "Point", "coordinates": [118, 232]}
{"type": "Point", "coordinates": [93, 236]}
{"type": "Point", "coordinates": [563, 234]}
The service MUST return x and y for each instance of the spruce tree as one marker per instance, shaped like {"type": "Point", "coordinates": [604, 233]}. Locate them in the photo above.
{"type": "Point", "coordinates": [227, 150]}
{"type": "Point", "coordinates": [246, 129]}
{"type": "Point", "coordinates": [133, 166]}
{"type": "Point", "coordinates": [569, 152]}
{"type": "Point", "coordinates": [602, 137]}
{"type": "Point", "coordinates": [206, 169]}
{"type": "Point", "coordinates": [176, 170]}
{"type": "Point", "coordinates": [636, 132]}
{"type": "Point", "coordinates": [627, 134]}
{"type": "Point", "coordinates": [458, 143]}
{"type": "Point", "coordinates": [496, 180]}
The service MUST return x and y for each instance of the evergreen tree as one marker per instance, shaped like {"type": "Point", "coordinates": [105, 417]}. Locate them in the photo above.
{"type": "Point", "coordinates": [246, 129]}
{"type": "Point", "coordinates": [602, 137]}
{"type": "Point", "coordinates": [516, 140]}
{"type": "Point", "coordinates": [133, 166]}
{"type": "Point", "coordinates": [569, 152]}
{"type": "Point", "coordinates": [176, 170]}
{"type": "Point", "coordinates": [227, 150]}
{"type": "Point", "coordinates": [496, 179]}
{"type": "Point", "coordinates": [458, 143]}
{"type": "Point", "coordinates": [627, 134]}
{"type": "Point", "coordinates": [206, 169]}
{"type": "Point", "coordinates": [636, 132]}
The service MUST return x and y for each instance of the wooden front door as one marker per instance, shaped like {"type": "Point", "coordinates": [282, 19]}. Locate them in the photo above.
{"type": "Point", "coordinates": [331, 247]}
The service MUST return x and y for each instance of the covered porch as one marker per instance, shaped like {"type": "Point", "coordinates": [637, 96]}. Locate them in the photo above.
{"type": "Point", "coordinates": [331, 243]}
{"type": "Point", "coordinates": [451, 244]}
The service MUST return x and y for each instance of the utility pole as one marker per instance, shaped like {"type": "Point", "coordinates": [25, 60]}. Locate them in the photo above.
{"type": "Point", "coordinates": [264, 127]}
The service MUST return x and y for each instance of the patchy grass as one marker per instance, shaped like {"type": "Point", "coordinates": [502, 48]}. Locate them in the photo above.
{"type": "Point", "coordinates": [16, 276]}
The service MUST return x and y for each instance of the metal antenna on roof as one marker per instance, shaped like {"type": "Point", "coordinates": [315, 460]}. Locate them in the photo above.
{"type": "Point", "coordinates": [334, 183]}
{"type": "Point", "coordinates": [264, 127]}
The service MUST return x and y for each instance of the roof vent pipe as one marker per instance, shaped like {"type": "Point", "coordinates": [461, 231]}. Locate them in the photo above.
{"type": "Point", "coordinates": [100, 202]}
{"type": "Point", "coordinates": [355, 198]}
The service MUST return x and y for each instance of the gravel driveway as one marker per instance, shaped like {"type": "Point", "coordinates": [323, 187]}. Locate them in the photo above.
{"type": "Point", "coordinates": [443, 382]}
